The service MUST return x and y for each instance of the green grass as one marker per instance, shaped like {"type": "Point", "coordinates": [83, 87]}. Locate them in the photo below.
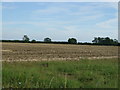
{"type": "Point", "coordinates": [61, 74]}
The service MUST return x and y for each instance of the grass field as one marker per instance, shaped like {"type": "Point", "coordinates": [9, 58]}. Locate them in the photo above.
{"type": "Point", "coordinates": [59, 66]}
{"type": "Point", "coordinates": [59, 74]}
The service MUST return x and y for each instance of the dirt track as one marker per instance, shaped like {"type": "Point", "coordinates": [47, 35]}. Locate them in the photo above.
{"type": "Point", "coordinates": [38, 52]}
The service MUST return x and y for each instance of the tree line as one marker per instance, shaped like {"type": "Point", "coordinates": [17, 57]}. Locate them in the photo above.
{"type": "Point", "coordinates": [95, 41]}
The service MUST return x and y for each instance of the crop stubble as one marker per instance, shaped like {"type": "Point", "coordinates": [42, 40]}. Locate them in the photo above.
{"type": "Point", "coordinates": [39, 52]}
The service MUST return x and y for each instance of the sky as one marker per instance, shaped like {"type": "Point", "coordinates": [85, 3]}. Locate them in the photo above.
{"type": "Point", "coordinates": [59, 20]}
{"type": "Point", "coordinates": [60, 0]}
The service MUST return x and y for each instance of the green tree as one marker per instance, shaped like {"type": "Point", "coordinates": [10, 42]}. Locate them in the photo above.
{"type": "Point", "coordinates": [33, 41]}
{"type": "Point", "coordinates": [47, 40]}
{"type": "Point", "coordinates": [72, 40]}
{"type": "Point", "coordinates": [105, 41]}
{"type": "Point", "coordinates": [26, 38]}
{"type": "Point", "coordinates": [108, 41]}
{"type": "Point", "coordinates": [95, 40]}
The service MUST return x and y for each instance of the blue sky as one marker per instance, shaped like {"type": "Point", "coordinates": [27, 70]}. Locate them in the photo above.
{"type": "Point", "coordinates": [60, 20]}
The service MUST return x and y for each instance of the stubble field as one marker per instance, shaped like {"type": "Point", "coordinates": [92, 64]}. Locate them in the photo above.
{"type": "Point", "coordinates": [59, 66]}
{"type": "Point", "coordinates": [38, 52]}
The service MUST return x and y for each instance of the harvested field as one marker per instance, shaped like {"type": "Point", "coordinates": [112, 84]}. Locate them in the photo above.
{"type": "Point", "coordinates": [80, 68]}
{"type": "Point", "coordinates": [38, 52]}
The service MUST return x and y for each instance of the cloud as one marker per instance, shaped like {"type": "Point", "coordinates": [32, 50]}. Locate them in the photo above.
{"type": "Point", "coordinates": [38, 24]}
{"type": "Point", "coordinates": [9, 6]}
{"type": "Point", "coordinates": [51, 10]}
{"type": "Point", "coordinates": [109, 24]}
{"type": "Point", "coordinates": [88, 10]}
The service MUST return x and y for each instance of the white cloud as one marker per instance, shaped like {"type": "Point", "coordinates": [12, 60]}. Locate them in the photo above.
{"type": "Point", "coordinates": [109, 24]}
{"type": "Point", "coordinates": [51, 10]}
{"type": "Point", "coordinates": [38, 24]}
{"type": "Point", "coordinates": [8, 6]}
{"type": "Point", "coordinates": [86, 12]}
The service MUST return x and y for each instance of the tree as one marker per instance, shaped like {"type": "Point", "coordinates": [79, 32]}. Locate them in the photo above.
{"type": "Point", "coordinates": [108, 41]}
{"type": "Point", "coordinates": [115, 40]}
{"type": "Point", "coordinates": [26, 38]}
{"type": "Point", "coordinates": [95, 40]}
{"type": "Point", "coordinates": [105, 41]}
{"type": "Point", "coordinates": [33, 41]}
{"type": "Point", "coordinates": [47, 40]}
{"type": "Point", "coordinates": [72, 41]}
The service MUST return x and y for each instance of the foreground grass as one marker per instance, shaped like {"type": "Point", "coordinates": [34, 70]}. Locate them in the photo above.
{"type": "Point", "coordinates": [61, 74]}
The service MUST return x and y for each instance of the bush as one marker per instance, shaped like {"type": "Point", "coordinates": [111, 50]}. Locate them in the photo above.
{"type": "Point", "coordinates": [72, 41]}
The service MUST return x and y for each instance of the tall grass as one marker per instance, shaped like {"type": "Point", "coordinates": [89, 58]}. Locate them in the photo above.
{"type": "Point", "coordinates": [61, 74]}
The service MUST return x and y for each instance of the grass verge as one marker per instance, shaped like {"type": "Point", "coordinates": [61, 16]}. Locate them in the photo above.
{"type": "Point", "coordinates": [61, 74]}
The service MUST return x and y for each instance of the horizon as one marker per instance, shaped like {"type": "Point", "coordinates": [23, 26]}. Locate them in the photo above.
{"type": "Point", "coordinates": [60, 40]}
{"type": "Point", "coordinates": [60, 20]}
